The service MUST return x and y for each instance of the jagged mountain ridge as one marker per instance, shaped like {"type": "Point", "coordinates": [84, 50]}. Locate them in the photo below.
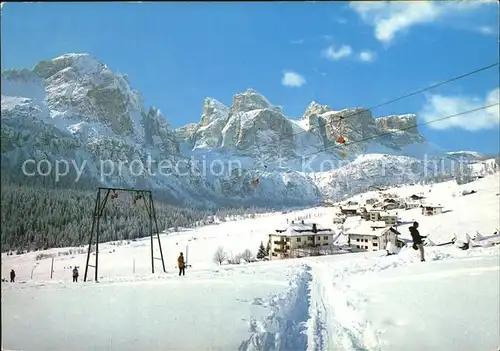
{"type": "Point", "coordinates": [75, 108]}
{"type": "Point", "coordinates": [252, 121]}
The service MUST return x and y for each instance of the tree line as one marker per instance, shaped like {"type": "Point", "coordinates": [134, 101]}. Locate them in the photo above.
{"type": "Point", "coordinates": [34, 218]}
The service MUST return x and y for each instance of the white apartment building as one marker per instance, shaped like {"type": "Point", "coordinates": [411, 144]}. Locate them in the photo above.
{"type": "Point", "coordinates": [300, 239]}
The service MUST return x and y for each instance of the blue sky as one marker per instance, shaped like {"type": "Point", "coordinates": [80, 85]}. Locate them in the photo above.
{"type": "Point", "coordinates": [341, 54]}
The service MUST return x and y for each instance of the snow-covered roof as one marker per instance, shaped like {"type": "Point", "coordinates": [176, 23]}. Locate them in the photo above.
{"type": "Point", "coordinates": [367, 228]}
{"type": "Point", "coordinates": [377, 224]}
{"type": "Point", "coordinates": [432, 205]}
{"type": "Point", "coordinates": [304, 229]}
{"type": "Point", "coordinates": [304, 226]}
{"type": "Point", "coordinates": [291, 232]}
{"type": "Point", "coordinates": [350, 208]}
{"type": "Point", "coordinates": [387, 214]}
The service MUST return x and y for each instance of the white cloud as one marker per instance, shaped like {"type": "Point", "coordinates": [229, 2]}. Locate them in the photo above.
{"type": "Point", "coordinates": [336, 54]}
{"type": "Point", "coordinates": [486, 30]}
{"type": "Point", "coordinates": [391, 18]}
{"type": "Point", "coordinates": [366, 56]}
{"type": "Point", "coordinates": [439, 106]}
{"type": "Point", "coordinates": [292, 79]}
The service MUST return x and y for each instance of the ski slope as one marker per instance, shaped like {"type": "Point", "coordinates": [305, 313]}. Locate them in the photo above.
{"type": "Point", "coordinates": [361, 301]}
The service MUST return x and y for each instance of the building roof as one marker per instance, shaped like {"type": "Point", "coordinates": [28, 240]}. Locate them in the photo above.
{"type": "Point", "coordinates": [377, 224]}
{"type": "Point", "coordinates": [431, 206]}
{"type": "Point", "coordinates": [291, 232]}
{"type": "Point", "coordinates": [303, 229]}
{"type": "Point", "coordinates": [349, 208]}
{"type": "Point", "coordinates": [387, 214]}
{"type": "Point", "coordinates": [367, 228]}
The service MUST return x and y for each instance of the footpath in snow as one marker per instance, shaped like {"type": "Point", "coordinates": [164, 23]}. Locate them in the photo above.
{"type": "Point", "coordinates": [450, 302]}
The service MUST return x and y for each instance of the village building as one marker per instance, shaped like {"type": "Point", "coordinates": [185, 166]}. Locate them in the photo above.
{"type": "Point", "coordinates": [416, 197]}
{"type": "Point", "coordinates": [389, 219]}
{"type": "Point", "coordinates": [349, 210]}
{"type": "Point", "coordinates": [376, 215]}
{"type": "Point", "coordinates": [370, 201]}
{"type": "Point", "coordinates": [372, 236]}
{"type": "Point", "coordinates": [339, 219]}
{"type": "Point", "coordinates": [390, 206]}
{"type": "Point", "coordinates": [300, 240]}
{"type": "Point", "coordinates": [411, 204]}
{"type": "Point", "coordinates": [431, 210]}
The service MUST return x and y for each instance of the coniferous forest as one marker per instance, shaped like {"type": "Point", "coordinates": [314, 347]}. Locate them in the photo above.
{"type": "Point", "coordinates": [39, 214]}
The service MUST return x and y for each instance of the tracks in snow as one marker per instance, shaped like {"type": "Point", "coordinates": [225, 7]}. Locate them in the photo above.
{"type": "Point", "coordinates": [320, 312]}
{"type": "Point", "coordinates": [285, 328]}
{"type": "Point", "coordinates": [313, 314]}
{"type": "Point", "coordinates": [336, 321]}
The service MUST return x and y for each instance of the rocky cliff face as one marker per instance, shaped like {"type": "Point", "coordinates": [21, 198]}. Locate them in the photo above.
{"type": "Point", "coordinates": [207, 134]}
{"type": "Point", "coordinates": [75, 108]}
{"type": "Point", "coordinates": [399, 131]}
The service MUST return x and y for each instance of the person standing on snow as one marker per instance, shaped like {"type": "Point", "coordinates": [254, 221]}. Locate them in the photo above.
{"type": "Point", "coordinates": [12, 275]}
{"type": "Point", "coordinates": [75, 274]}
{"type": "Point", "coordinates": [181, 264]}
{"type": "Point", "coordinates": [417, 240]}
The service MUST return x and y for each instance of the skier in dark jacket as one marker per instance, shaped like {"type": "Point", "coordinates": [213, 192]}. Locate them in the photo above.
{"type": "Point", "coordinates": [75, 274]}
{"type": "Point", "coordinates": [12, 275]}
{"type": "Point", "coordinates": [417, 240]}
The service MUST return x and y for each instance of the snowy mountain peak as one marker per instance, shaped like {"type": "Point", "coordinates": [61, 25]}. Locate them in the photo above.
{"type": "Point", "coordinates": [213, 110]}
{"type": "Point", "coordinates": [80, 87]}
{"type": "Point", "coordinates": [315, 109]}
{"type": "Point", "coordinates": [251, 100]}
{"type": "Point", "coordinates": [82, 63]}
{"type": "Point", "coordinates": [407, 122]}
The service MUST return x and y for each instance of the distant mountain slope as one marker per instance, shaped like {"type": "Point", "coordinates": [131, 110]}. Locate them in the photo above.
{"type": "Point", "coordinates": [74, 110]}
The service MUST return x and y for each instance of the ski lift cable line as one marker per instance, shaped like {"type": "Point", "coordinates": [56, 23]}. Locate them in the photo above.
{"type": "Point", "coordinates": [388, 102]}
{"type": "Point", "coordinates": [405, 128]}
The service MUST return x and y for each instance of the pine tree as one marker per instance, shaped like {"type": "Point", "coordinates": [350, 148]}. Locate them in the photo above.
{"type": "Point", "coordinates": [268, 247]}
{"type": "Point", "coordinates": [262, 251]}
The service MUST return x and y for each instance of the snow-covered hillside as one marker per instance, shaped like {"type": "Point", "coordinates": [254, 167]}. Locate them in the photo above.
{"type": "Point", "coordinates": [361, 301]}
{"type": "Point", "coordinates": [73, 109]}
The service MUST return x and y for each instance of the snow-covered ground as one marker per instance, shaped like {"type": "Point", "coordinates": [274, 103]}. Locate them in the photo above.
{"type": "Point", "coordinates": [361, 301]}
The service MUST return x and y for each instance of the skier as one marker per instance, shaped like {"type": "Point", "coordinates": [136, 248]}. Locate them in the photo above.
{"type": "Point", "coordinates": [12, 275]}
{"type": "Point", "coordinates": [181, 264]}
{"type": "Point", "coordinates": [75, 274]}
{"type": "Point", "coordinates": [417, 240]}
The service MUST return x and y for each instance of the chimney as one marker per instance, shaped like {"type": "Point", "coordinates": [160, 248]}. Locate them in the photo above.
{"type": "Point", "coordinates": [314, 228]}
{"type": "Point", "coordinates": [302, 221]}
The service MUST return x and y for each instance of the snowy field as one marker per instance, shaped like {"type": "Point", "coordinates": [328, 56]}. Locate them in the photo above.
{"type": "Point", "coordinates": [362, 301]}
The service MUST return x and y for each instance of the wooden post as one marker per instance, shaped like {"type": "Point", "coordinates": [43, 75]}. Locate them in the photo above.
{"type": "Point", "coordinates": [52, 268]}
{"type": "Point", "coordinates": [36, 265]}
